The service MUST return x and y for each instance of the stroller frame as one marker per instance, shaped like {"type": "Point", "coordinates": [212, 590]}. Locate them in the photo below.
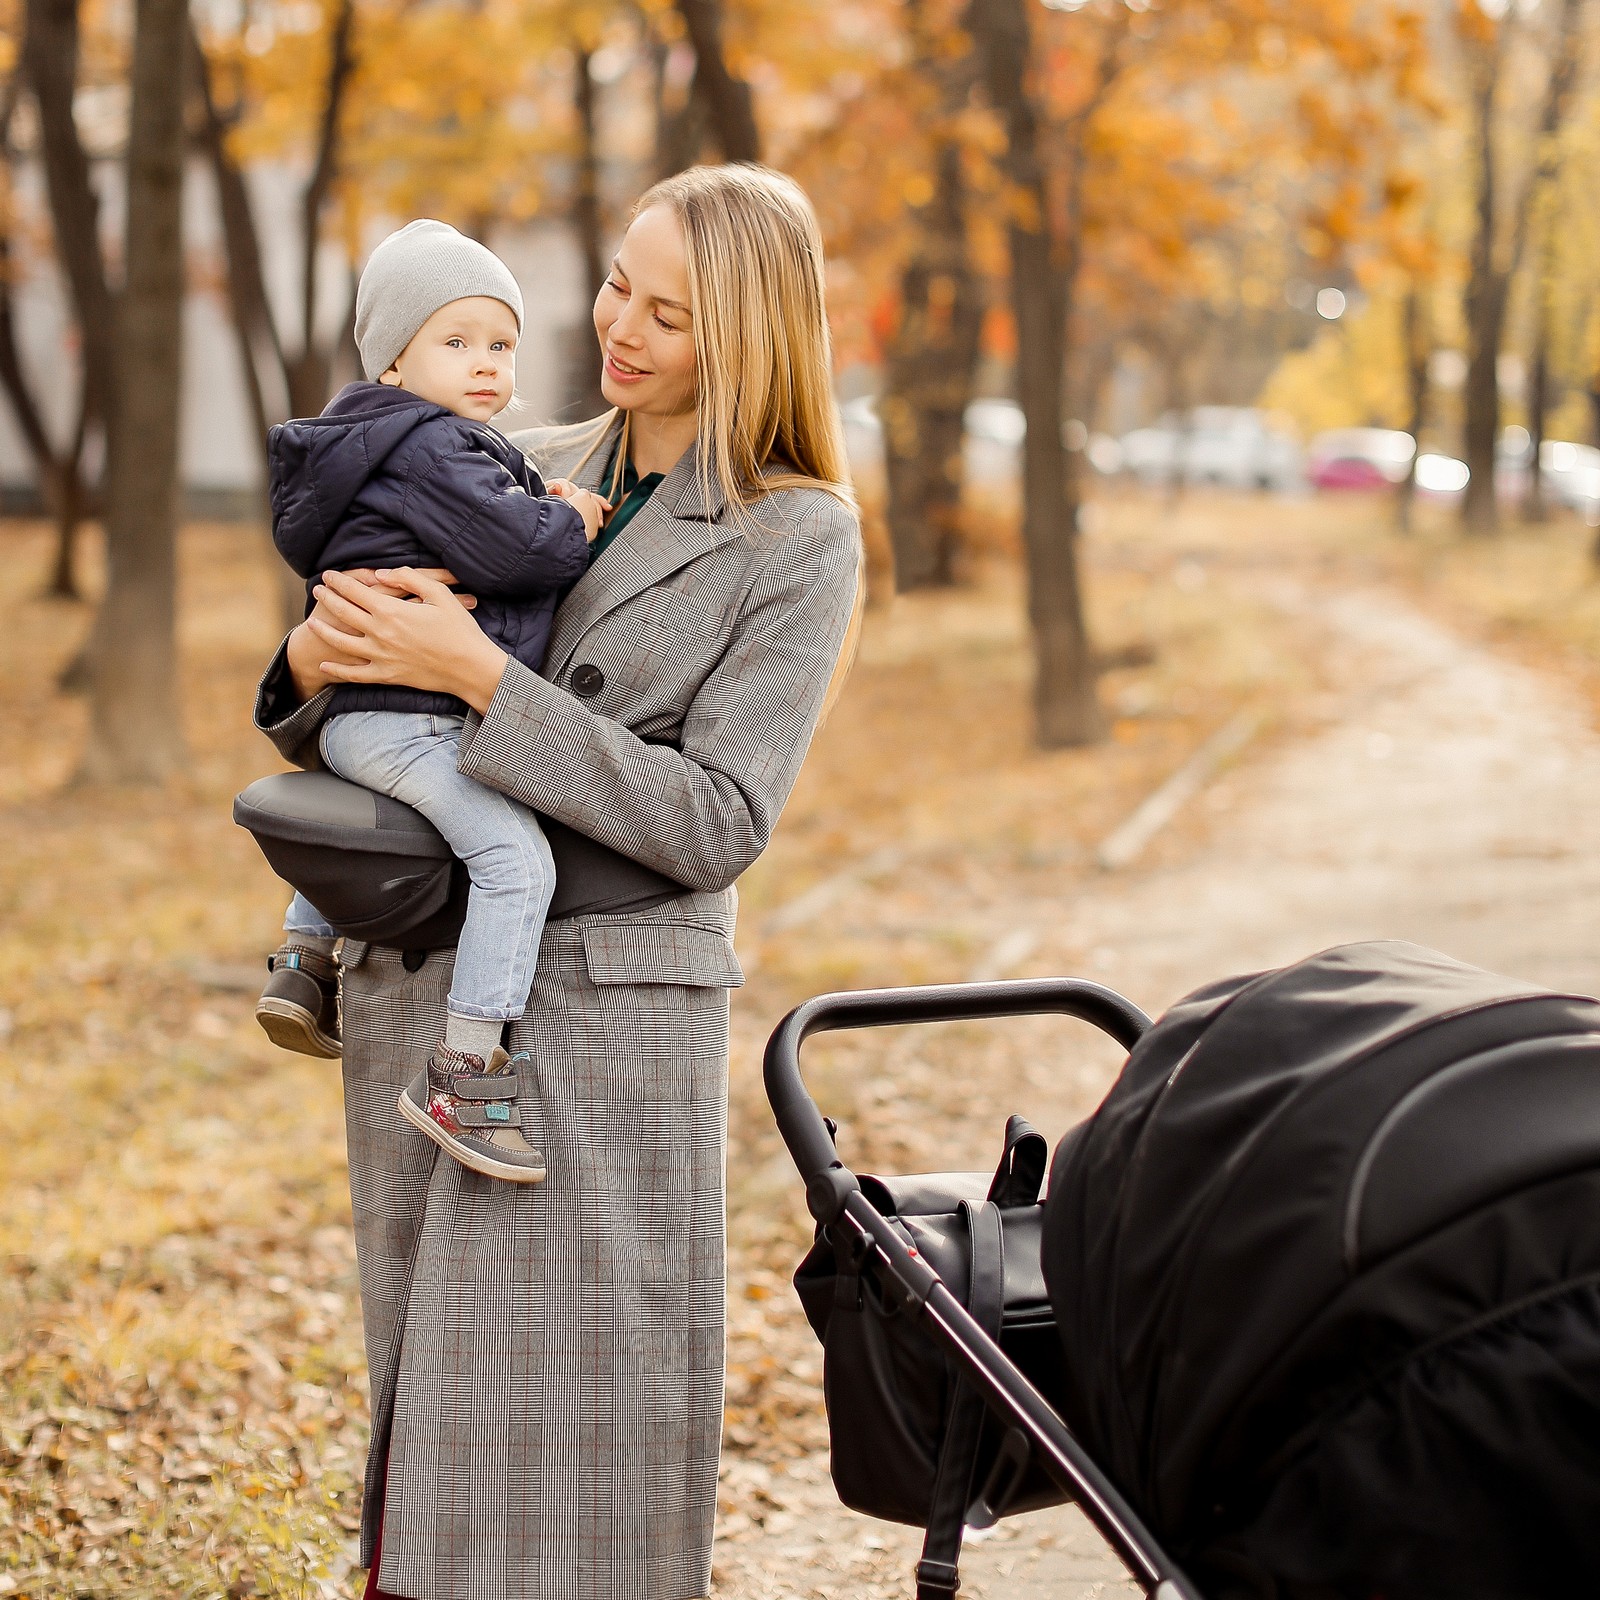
{"type": "Point", "coordinates": [834, 1199]}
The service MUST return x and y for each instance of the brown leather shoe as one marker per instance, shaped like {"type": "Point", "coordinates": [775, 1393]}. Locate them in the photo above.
{"type": "Point", "coordinates": [470, 1111]}
{"type": "Point", "coordinates": [299, 1008]}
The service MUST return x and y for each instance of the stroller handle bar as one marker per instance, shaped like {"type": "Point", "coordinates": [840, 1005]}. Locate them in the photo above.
{"type": "Point", "coordinates": [805, 1132]}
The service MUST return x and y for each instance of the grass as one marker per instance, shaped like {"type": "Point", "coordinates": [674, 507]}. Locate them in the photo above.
{"type": "Point", "coordinates": [182, 1393]}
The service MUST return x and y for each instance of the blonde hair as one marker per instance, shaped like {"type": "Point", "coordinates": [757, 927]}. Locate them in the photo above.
{"type": "Point", "coordinates": [763, 355]}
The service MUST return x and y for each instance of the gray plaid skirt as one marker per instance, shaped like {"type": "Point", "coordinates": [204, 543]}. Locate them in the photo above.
{"type": "Point", "coordinates": [547, 1360]}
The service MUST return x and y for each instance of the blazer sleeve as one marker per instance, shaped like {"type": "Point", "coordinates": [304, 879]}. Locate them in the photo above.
{"type": "Point", "coordinates": [700, 814]}
{"type": "Point", "coordinates": [290, 723]}
{"type": "Point", "coordinates": [497, 538]}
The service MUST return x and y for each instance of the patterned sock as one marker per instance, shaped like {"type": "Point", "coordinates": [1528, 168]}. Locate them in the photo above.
{"type": "Point", "coordinates": [471, 1036]}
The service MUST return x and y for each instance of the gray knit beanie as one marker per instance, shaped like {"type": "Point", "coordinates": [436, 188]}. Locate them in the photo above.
{"type": "Point", "coordinates": [411, 274]}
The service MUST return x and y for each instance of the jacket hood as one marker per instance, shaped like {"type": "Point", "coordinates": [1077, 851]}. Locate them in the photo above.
{"type": "Point", "coordinates": [318, 465]}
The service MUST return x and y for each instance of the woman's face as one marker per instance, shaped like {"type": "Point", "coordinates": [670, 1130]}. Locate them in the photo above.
{"type": "Point", "coordinates": [642, 317]}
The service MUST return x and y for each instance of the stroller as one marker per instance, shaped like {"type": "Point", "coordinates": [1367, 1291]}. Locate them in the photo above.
{"type": "Point", "coordinates": [1311, 1310]}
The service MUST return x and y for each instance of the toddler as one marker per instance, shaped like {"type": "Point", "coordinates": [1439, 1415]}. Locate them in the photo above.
{"type": "Point", "coordinates": [406, 471]}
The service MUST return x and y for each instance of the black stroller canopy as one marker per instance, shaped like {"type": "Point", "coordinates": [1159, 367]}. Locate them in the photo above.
{"type": "Point", "coordinates": [1326, 1256]}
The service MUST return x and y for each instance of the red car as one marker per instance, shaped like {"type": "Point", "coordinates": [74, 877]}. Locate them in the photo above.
{"type": "Point", "coordinates": [1359, 458]}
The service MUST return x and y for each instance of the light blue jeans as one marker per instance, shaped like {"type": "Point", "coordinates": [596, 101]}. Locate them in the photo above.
{"type": "Point", "coordinates": [412, 757]}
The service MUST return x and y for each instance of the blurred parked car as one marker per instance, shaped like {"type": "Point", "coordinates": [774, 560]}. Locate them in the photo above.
{"type": "Point", "coordinates": [1236, 447]}
{"type": "Point", "coordinates": [1571, 472]}
{"type": "Point", "coordinates": [1380, 458]}
{"type": "Point", "coordinates": [1441, 475]}
{"type": "Point", "coordinates": [1359, 458]}
{"type": "Point", "coordinates": [991, 446]}
{"type": "Point", "coordinates": [1572, 475]}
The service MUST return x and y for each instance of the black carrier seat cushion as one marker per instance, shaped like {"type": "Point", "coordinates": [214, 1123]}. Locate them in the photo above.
{"type": "Point", "coordinates": [1325, 1267]}
{"type": "Point", "coordinates": [378, 870]}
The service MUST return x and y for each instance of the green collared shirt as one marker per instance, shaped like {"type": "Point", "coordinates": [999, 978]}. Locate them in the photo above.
{"type": "Point", "coordinates": [635, 491]}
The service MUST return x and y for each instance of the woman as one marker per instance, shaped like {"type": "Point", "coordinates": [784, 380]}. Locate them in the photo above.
{"type": "Point", "coordinates": [547, 1360]}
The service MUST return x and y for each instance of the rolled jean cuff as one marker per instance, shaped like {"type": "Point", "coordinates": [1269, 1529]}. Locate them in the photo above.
{"type": "Point", "coordinates": [484, 1013]}
{"type": "Point", "coordinates": [303, 918]}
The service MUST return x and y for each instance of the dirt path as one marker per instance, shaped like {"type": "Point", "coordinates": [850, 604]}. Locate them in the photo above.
{"type": "Point", "coordinates": [1446, 796]}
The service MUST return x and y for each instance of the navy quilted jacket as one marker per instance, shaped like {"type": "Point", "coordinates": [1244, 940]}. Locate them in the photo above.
{"type": "Point", "coordinates": [385, 479]}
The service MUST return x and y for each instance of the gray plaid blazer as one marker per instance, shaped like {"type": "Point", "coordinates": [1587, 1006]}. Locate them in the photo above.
{"type": "Point", "coordinates": [547, 1361]}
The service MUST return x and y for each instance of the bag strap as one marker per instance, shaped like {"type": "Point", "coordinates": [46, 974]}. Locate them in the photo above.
{"type": "Point", "coordinates": [1020, 1175]}
{"type": "Point", "coordinates": [939, 1571]}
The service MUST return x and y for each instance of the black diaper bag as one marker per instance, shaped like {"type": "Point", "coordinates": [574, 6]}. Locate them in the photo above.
{"type": "Point", "coordinates": [910, 1440]}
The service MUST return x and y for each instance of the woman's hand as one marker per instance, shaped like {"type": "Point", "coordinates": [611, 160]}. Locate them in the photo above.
{"type": "Point", "coordinates": [307, 652]}
{"type": "Point", "coordinates": [370, 629]}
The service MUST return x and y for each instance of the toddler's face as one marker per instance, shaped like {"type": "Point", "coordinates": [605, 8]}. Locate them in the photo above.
{"type": "Point", "coordinates": [464, 358]}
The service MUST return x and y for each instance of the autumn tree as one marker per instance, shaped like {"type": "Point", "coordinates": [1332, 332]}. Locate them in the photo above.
{"type": "Point", "coordinates": [1559, 272]}
{"type": "Point", "coordinates": [287, 371]}
{"type": "Point", "coordinates": [588, 221]}
{"type": "Point", "coordinates": [1045, 242]}
{"type": "Point", "coordinates": [1137, 134]}
{"type": "Point", "coordinates": [134, 731]}
{"type": "Point", "coordinates": [130, 343]}
{"type": "Point", "coordinates": [931, 356]}
{"type": "Point", "coordinates": [50, 66]}
{"type": "Point", "coordinates": [58, 464]}
{"type": "Point", "coordinates": [1417, 340]}
{"type": "Point", "coordinates": [723, 95]}
{"type": "Point", "coordinates": [1493, 43]}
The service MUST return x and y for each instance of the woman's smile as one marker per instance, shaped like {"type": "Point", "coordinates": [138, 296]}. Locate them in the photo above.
{"type": "Point", "coordinates": [622, 371]}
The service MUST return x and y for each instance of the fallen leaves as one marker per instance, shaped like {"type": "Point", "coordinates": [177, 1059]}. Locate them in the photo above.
{"type": "Point", "coordinates": [183, 1404]}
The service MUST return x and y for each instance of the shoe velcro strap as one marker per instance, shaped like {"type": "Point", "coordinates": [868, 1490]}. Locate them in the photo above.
{"type": "Point", "coordinates": [500, 1087]}
{"type": "Point", "coordinates": [494, 1115]}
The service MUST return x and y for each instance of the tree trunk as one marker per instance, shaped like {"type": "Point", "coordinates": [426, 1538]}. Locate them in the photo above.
{"type": "Point", "coordinates": [134, 728]}
{"type": "Point", "coordinates": [931, 371]}
{"type": "Point", "coordinates": [63, 583]}
{"type": "Point", "coordinates": [1066, 711]}
{"type": "Point", "coordinates": [726, 97]}
{"type": "Point", "coordinates": [69, 499]}
{"type": "Point", "coordinates": [677, 127]}
{"type": "Point", "coordinates": [310, 373]}
{"type": "Point", "coordinates": [1541, 204]}
{"type": "Point", "coordinates": [1417, 338]}
{"type": "Point", "coordinates": [1534, 507]}
{"type": "Point", "coordinates": [1492, 270]}
{"type": "Point", "coordinates": [255, 330]}
{"type": "Point", "coordinates": [583, 380]}
{"type": "Point", "coordinates": [58, 473]}
{"type": "Point", "coordinates": [299, 386]}
{"type": "Point", "coordinates": [1485, 318]}
{"type": "Point", "coordinates": [50, 60]}
{"type": "Point", "coordinates": [1176, 358]}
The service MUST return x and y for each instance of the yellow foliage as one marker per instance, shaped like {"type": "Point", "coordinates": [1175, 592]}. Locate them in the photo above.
{"type": "Point", "coordinates": [1351, 375]}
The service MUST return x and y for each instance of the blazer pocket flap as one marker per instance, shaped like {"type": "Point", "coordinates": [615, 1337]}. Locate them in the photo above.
{"type": "Point", "coordinates": [661, 952]}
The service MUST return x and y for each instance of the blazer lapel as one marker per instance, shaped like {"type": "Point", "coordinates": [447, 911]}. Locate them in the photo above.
{"type": "Point", "coordinates": [674, 526]}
